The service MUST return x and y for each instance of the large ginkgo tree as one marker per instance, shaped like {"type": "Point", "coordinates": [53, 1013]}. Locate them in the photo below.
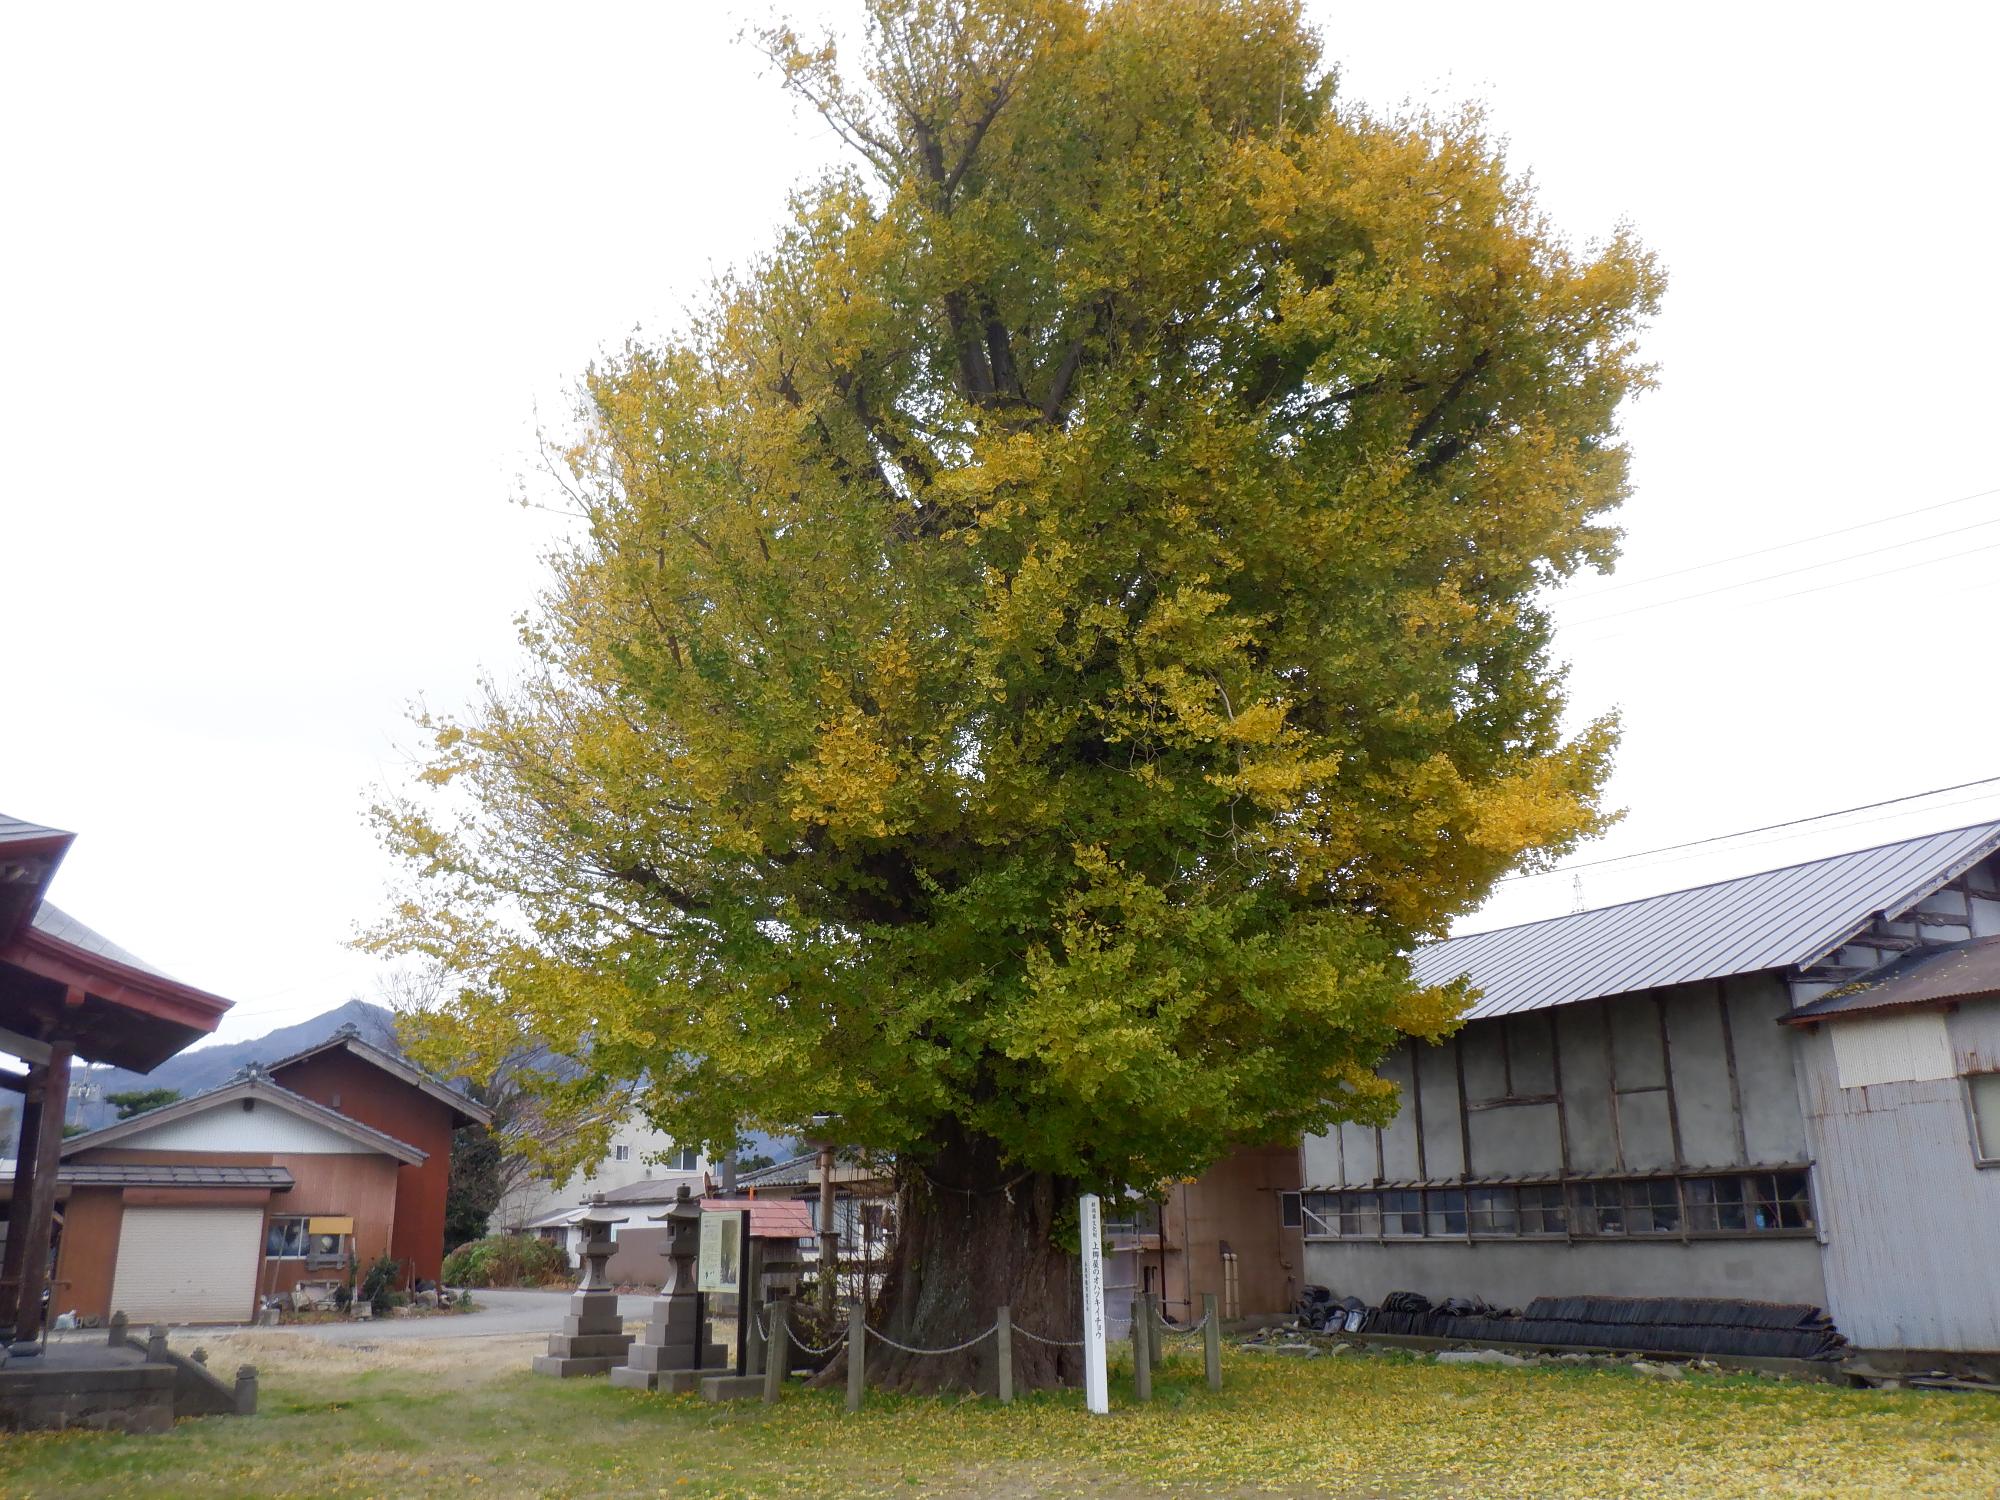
{"type": "Point", "coordinates": [1046, 643]}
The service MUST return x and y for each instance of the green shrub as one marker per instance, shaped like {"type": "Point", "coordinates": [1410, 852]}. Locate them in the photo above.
{"type": "Point", "coordinates": [379, 1285]}
{"type": "Point", "coordinates": [506, 1260]}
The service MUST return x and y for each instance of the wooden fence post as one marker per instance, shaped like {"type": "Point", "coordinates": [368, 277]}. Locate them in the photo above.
{"type": "Point", "coordinates": [1211, 1340]}
{"type": "Point", "coordinates": [778, 1352]}
{"type": "Point", "coordinates": [1003, 1345]}
{"type": "Point", "coordinates": [857, 1356]}
{"type": "Point", "coordinates": [1142, 1359]}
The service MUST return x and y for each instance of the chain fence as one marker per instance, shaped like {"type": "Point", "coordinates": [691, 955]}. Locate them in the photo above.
{"type": "Point", "coordinates": [1052, 1343]}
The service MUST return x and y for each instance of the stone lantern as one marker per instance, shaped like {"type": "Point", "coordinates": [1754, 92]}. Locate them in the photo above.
{"type": "Point", "coordinates": [674, 1352]}
{"type": "Point", "coordinates": [593, 1337]}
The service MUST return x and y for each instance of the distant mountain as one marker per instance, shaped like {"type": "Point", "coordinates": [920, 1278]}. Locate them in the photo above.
{"type": "Point", "coordinates": [207, 1067]}
{"type": "Point", "coordinates": [213, 1065]}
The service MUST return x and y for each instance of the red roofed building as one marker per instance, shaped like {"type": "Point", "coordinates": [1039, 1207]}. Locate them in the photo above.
{"type": "Point", "coordinates": [401, 1100]}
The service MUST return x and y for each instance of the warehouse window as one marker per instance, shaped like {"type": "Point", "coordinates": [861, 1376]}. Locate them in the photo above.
{"type": "Point", "coordinates": [1542, 1210]}
{"type": "Point", "coordinates": [1600, 1208]}
{"type": "Point", "coordinates": [1746, 1203]}
{"type": "Point", "coordinates": [1403, 1213]}
{"type": "Point", "coordinates": [1982, 1097]}
{"type": "Point", "coordinates": [1444, 1212]}
{"type": "Point", "coordinates": [1493, 1211]}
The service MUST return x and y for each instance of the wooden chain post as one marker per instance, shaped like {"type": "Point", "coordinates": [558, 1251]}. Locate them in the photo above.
{"type": "Point", "coordinates": [857, 1356]}
{"type": "Point", "coordinates": [1003, 1345]}
{"type": "Point", "coordinates": [778, 1351]}
{"type": "Point", "coordinates": [1142, 1354]}
{"type": "Point", "coordinates": [1211, 1340]}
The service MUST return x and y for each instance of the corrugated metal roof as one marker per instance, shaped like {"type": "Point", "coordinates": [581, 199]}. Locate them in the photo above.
{"type": "Point", "coordinates": [52, 921]}
{"type": "Point", "coordinates": [796, 1172]}
{"type": "Point", "coordinates": [1772, 920]}
{"type": "Point", "coordinates": [1943, 976]}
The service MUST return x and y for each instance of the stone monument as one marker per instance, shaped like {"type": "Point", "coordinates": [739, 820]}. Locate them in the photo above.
{"type": "Point", "coordinates": [674, 1352]}
{"type": "Point", "coordinates": [593, 1337]}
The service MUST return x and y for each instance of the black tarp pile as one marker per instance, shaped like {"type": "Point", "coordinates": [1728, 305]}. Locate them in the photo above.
{"type": "Point", "coordinates": [1665, 1325]}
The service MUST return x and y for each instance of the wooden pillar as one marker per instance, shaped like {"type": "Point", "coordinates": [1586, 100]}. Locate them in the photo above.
{"type": "Point", "coordinates": [33, 1277]}
{"type": "Point", "coordinates": [750, 1303]}
{"type": "Point", "coordinates": [1211, 1340]}
{"type": "Point", "coordinates": [778, 1353]}
{"type": "Point", "coordinates": [857, 1355]}
{"type": "Point", "coordinates": [17, 1210]}
{"type": "Point", "coordinates": [1003, 1351]}
{"type": "Point", "coordinates": [829, 1236]}
{"type": "Point", "coordinates": [1142, 1354]}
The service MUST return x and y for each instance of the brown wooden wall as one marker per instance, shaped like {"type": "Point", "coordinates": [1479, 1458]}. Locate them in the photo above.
{"type": "Point", "coordinates": [1236, 1201]}
{"type": "Point", "coordinates": [361, 1091]}
{"type": "Point", "coordinates": [89, 1251]}
{"type": "Point", "coordinates": [362, 1186]}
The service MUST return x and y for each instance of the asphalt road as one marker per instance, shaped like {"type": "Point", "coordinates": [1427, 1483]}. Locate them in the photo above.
{"type": "Point", "coordinates": [494, 1312]}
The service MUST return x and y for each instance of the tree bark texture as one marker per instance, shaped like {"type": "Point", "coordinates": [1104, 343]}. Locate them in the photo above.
{"type": "Point", "coordinates": [970, 1239]}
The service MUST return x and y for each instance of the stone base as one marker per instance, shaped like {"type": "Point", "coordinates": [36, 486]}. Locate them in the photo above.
{"type": "Point", "coordinates": [657, 1357]}
{"type": "Point", "coordinates": [732, 1387]}
{"type": "Point", "coordinates": [589, 1345]}
{"type": "Point", "coordinates": [44, 1394]}
{"type": "Point", "coordinates": [565, 1366]}
{"type": "Point", "coordinates": [669, 1382]}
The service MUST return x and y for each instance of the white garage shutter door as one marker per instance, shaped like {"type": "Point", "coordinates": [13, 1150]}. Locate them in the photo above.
{"type": "Point", "coordinates": [188, 1265]}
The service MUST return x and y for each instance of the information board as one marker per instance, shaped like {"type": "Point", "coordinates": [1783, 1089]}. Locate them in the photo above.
{"type": "Point", "coordinates": [1090, 1228]}
{"type": "Point", "coordinates": [719, 1267]}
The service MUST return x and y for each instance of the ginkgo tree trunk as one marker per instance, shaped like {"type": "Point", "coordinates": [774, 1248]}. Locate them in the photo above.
{"type": "Point", "coordinates": [1051, 636]}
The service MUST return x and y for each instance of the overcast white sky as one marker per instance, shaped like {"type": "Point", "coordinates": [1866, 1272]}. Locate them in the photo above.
{"type": "Point", "coordinates": [286, 287]}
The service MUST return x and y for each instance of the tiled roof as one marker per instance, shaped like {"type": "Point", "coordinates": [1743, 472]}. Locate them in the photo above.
{"type": "Point", "coordinates": [20, 831]}
{"type": "Point", "coordinates": [770, 1218]}
{"type": "Point", "coordinates": [656, 1189]}
{"type": "Point", "coordinates": [53, 922]}
{"type": "Point", "coordinates": [1777, 919]}
{"type": "Point", "coordinates": [170, 1174]}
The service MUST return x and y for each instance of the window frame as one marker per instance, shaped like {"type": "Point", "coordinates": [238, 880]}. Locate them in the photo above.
{"type": "Point", "coordinates": [1652, 1207]}
{"type": "Point", "coordinates": [1966, 1080]}
{"type": "Point", "coordinates": [308, 1255]}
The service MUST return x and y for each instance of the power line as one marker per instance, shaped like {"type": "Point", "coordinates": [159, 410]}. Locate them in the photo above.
{"type": "Point", "coordinates": [1744, 583]}
{"type": "Point", "coordinates": [1742, 833]}
{"type": "Point", "coordinates": [1818, 536]}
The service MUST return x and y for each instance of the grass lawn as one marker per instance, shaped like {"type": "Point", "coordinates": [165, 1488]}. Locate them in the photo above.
{"type": "Point", "coordinates": [464, 1419]}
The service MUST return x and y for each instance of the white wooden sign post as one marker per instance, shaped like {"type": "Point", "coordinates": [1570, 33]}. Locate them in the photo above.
{"type": "Point", "coordinates": [1090, 1228]}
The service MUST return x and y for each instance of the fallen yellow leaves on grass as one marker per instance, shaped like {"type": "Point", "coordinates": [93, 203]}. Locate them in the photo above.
{"type": "Point", "coordinates": [1350, 1426]}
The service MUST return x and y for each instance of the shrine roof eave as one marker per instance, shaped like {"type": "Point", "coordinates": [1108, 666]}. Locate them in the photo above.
{"type": "Point", "coordinates": [129, 1017]}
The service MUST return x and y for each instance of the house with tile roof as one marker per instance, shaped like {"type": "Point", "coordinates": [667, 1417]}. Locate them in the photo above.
{"type": "Point", "coordinates": [203, 1209]}
{"type": "Point", "coordinates": [393, 1095]}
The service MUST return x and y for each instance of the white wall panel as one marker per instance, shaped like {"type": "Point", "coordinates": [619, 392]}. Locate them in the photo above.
{"type": "Point", "coordinates": [1891, 1049]}
{"type": "Point", "coordinates": [230, 1127]}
